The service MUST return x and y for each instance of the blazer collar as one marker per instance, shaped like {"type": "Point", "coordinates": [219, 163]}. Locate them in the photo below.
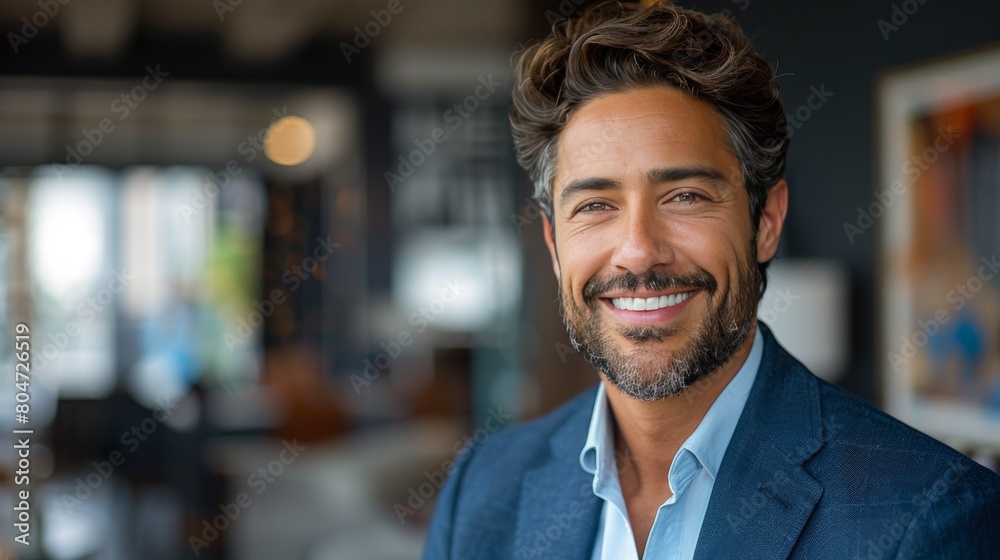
{"type": "Point", "coordinates": [558, 512]}
{"type": "Point", "coordinates": [763, 496]}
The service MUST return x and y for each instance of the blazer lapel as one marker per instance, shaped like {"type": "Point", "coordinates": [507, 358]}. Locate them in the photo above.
{"type": "Point", "coordinates": [558, 513]}
{"type": "Point", "coordinates": [762, 496]}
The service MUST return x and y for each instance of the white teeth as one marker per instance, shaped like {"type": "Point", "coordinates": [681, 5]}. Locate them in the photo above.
{"type": "Point", "coordinates": [649, 304]}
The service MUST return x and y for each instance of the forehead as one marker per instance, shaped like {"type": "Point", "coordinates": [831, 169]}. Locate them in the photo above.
{"type": "Point", "coordinates": [617, 134]}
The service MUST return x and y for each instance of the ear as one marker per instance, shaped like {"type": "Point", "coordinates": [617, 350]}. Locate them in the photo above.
{"type": "Point", "coordinates": [550, 242]}
{"type": "Point", "coordinates": [772, 218]}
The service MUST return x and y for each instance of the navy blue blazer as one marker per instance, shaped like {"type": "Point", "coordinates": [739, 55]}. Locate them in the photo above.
{"type": "Point", "coordinates": [811, 472]}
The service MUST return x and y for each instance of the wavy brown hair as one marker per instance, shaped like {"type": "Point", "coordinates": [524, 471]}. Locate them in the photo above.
{"type": "Point", "coordinates": [616, 46]}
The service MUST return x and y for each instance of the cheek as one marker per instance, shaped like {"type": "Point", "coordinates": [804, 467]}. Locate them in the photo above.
{"type": "Point", "coordinates": [719, 251]}
{"type": "Point", "coordinates": [581, 258]}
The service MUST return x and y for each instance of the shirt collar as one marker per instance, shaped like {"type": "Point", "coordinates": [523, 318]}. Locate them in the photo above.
{"type": "Point", "coordinates": [707, 443]}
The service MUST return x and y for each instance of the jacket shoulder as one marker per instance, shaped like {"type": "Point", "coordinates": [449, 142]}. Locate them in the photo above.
{"type": "Point", "coordinates": [478, 505]}
{"type": "Point", "coordinates": [899, 492]}
{"type": "Point", "coordinates": [879, 455]}
{"type": "Point", "coordinates": [521, 445]}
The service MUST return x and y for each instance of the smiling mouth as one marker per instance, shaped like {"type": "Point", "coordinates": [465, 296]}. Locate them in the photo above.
{"type": "Point", "coordinates": [650, 303]}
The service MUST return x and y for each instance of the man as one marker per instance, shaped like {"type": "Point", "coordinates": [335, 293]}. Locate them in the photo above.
{"type": "Point", "coordinates": [657, 139]}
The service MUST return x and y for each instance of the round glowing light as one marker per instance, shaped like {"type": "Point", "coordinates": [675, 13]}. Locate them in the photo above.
{"type": "Point", "coordinates": [290, 141]}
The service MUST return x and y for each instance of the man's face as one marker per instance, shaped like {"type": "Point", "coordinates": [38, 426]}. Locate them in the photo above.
{"type": "Point", "coordinates": [653, 243]}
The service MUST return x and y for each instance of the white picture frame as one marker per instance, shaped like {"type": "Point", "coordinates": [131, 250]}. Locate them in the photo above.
{"type": "Point", "coordinates": [937, 191]}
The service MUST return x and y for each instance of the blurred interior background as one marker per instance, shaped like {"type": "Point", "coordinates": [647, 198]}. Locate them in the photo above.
{"type": "Point", "coordinates": [279, 264]}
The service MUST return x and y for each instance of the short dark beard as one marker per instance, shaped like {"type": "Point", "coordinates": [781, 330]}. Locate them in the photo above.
{"type": "Point", "coordinates": [724, 329]}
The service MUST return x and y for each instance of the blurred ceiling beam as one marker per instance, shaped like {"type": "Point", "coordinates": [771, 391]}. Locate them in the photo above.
{"type": "Point", "coordinates": [97, 28]}
{"type": "Point", "coordinates": [270, 31]}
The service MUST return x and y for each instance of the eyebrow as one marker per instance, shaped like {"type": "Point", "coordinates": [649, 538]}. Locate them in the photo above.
{"type": "Point", "coordinates": [653, 176]}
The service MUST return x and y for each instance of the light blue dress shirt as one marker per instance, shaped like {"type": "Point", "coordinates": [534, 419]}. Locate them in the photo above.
{"type": "Point", "coordinates": [675, 530]}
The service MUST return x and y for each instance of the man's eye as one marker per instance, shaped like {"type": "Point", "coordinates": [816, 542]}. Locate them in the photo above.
{"type": "Point", "coordinates": [688, 198]}
{"type": "Point", "coordinates": [593, 207]}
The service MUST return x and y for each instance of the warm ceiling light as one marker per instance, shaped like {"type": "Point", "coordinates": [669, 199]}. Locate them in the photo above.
{"type": "Point", "coordinates": [290, 141]}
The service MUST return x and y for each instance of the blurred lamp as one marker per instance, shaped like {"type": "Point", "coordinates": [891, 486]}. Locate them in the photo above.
{"type": "Point", "coordinates": [67, 234]}
{"type": "Point", "coordinates": [290, 141]}
{"type": "Point", "coordinates": [807, 309]}
{"type": "Point", "coordinates": [485, 267]}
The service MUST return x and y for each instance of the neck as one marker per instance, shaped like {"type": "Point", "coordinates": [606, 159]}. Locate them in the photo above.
{"type": "Point", "coordinates": [649, 433]}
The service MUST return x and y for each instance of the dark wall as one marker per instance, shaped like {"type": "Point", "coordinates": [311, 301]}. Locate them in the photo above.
{"type": "Point", "coordinates": [832, 158]}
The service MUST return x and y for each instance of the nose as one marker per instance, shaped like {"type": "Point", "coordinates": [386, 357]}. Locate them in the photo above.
{"type": "Point", "coordinates": [644, 241]}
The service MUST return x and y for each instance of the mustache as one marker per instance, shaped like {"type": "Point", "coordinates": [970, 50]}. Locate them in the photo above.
{"type": "Point", "coordinates": [653, 281]}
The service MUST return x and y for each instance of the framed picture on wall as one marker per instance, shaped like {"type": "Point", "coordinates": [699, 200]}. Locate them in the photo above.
{"type": "Point", "coordinates": [936, 211]}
